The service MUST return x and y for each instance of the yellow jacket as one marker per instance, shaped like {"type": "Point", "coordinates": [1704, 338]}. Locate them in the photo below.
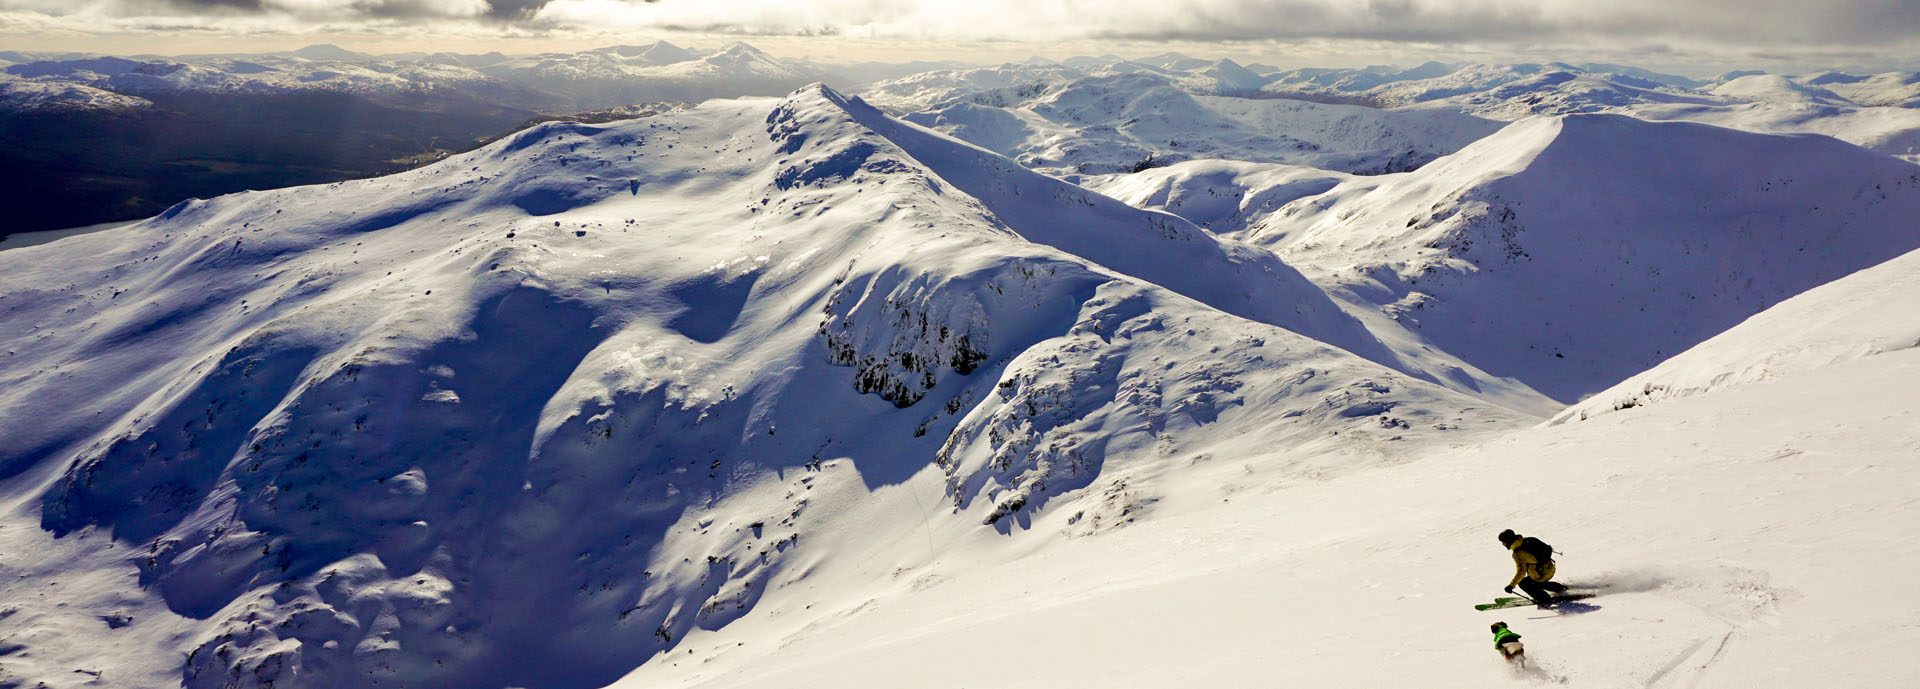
{"type": "Point", "coordinates": [1525, 566]}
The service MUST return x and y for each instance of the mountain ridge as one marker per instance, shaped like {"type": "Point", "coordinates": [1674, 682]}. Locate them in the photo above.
{"type": "Point", "coordinates": [364, 431]}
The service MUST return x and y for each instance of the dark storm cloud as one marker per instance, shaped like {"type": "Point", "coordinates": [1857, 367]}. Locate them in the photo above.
{"type": "Point", "coordinates": [514, 9]}
{"type": "Point", "coordinates": [252, 5]}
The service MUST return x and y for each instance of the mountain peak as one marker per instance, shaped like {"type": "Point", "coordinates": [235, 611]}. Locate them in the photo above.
{"type": "Point", "coordinates": [740, 48]}
{"type": "Point", "coordinates": [1536, 221]}
{"type": "Point", "coordinates": [329, 51]}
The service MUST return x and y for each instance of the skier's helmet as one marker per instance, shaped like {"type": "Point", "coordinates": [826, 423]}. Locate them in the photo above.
{"type": "Point", "coordinates": [1507, 536]}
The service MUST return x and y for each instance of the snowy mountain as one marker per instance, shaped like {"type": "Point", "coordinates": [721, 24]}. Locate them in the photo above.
{"type": "Point", "coordinates": [1564, 92]}
{"type": "Point", "coordinates": [1707, 524]}
{"type": "Point", "coordinates": [1173, 62]}
{"type": "Point", "coordinates": [661, 71]}
{"type": "Point", "coordinates": [536, 413]}
{"type": "Point", "coordinates": [1513, 91]}
{"type": "Point", "coordinates": [1122, 123]}
{"type": "Point", "coordinates": [551, 82]}
{"type": "Point", "coordinates": [1772, 88]}
{"type": "Point", "coordinates": [20, 95]}
{"type": "Point", "coordinates": [1223, 77]}
{"type": "Point", "coordinates": [1117, 378]}
{"type": "Point", "coordinates": [1659, 235]}
{"type": "Point", "coordinates": [1887, 89]}
{"type": "Point", "coordinates": [1011, 84]}
{"type": "Point", "coordinates": [1223, 196]}
{"type": "Point", "coordinates": [164, 129]}
{"type": "Point", "coordinates": [999, 87]}
{"type": "Point", "coordinates": [1502, 91]}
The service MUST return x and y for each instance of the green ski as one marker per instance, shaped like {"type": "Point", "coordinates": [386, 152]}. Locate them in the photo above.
{"type": "Point", "coordinates": [1516, 601]}
{"type": "Point", "coordinates": [1507, 602]}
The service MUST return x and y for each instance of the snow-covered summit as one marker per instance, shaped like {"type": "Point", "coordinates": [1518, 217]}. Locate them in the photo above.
{"type": "Point", "coordinates": [327, 52]}
{"type": "Point", "coordinates": [1773, 88]}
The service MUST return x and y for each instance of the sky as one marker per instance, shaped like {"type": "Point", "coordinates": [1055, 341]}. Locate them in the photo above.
{"type": "Point", "coordinates": [1696, 36]}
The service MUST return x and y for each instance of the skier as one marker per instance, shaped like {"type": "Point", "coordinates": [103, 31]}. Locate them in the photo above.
{"type": "Point", "coordinates": [1532, 567]}
{"type": "Point", "coordinates": [1508, 644]}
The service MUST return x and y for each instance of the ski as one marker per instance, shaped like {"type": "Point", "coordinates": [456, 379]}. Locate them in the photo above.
{"type": "Point", "coordinates": [1516, 601]}
{"type": "Point", "coordinates": [1503, 602]}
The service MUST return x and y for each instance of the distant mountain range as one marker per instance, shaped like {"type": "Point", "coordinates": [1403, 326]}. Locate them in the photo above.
{"type": "Point", "coordinates": [87, 138]}
{"type": "Point", "coordinates": [92, 139]}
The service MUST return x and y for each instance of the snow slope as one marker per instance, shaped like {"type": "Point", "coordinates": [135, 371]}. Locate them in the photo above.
{"type": "Point", "coordinates": [1734, 537]}
{"type": "Point", "coordinates": [537, 413]}
{"type": "Point", "coordinates": [1893, 131]}
{"type": "Point", "coordinates": [1657, 235]}
{"type": "Point", "coordinates": [1773, 88]}
{"type": "Point", "coordinates": [1222, 196]}
{"type": "Point", "coordinates": [1834, 323]}
{"type": "Point", "coordinates": [1890, 89]}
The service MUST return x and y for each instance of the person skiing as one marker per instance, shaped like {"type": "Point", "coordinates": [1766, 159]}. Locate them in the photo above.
{"type": "Point", "coordinates": [1508, 644]}
{"type": "Point", "coordinates": [1532, 567]}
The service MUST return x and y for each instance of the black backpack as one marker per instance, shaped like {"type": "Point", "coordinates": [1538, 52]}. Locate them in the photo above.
{"type": "Point", "coordinates": [1537, 548]}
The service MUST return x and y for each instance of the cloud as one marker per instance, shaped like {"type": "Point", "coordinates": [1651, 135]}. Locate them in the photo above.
{"type": "Point", "coordinates": [315, 10]}
{"type": "Point", "coordinates": [337, 9]}
{"type": "Point", "coordinates": [1727, 21]}
{"type": "Point", "coordinates": [1728, 26]}
{"type": "Point", "coordinates": [515, 9]}
{"type": "Point", "coordinates": [235, 4]}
